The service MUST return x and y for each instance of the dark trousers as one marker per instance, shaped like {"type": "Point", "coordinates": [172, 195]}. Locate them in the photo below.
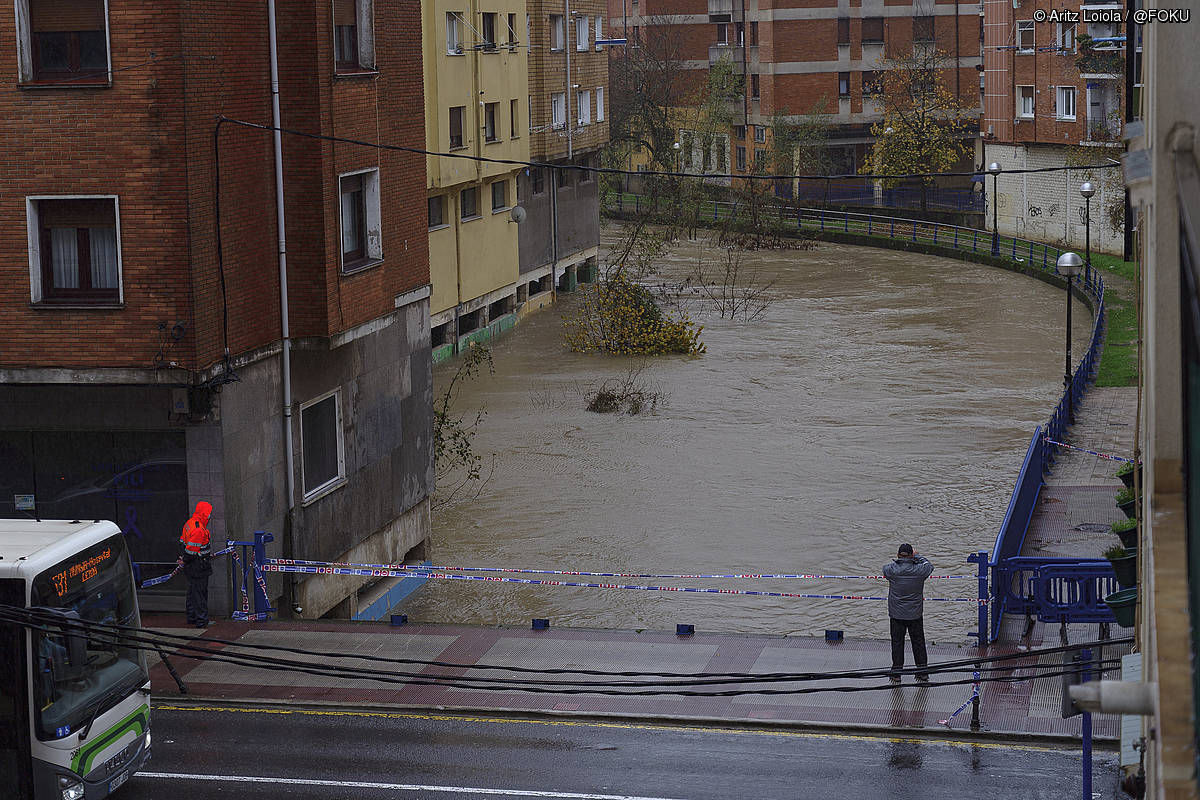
{"type": "Point", "coordinates": [916, 632]}
{"type": "Point", "coordinates": [197, 570]}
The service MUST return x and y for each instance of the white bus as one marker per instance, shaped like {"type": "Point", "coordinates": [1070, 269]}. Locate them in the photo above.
{"type": "Point", "coordinates": [74, 709]}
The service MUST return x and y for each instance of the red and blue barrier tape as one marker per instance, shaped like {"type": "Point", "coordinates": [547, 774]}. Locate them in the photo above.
{"type": "Point", "coordinates": [1122, 459]}
{"type": "Point", "coordinates": [530, 571]}
{"type": "Point", "coordinates": [971, 699]}
{"type": "Point", "coordinates": [178, 568]}
{"type": "Point", "coordinates": [310, 568]}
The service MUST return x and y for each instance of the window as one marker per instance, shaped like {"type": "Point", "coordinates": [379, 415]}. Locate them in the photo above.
{"type": "Point", "coordinates": [1025, 102]}
{"type": "Point", "coordinates": [499, 196]}
{"type": "Point", "coordinates": [739, 131]}
{"type": "Point", "coordinates": [558, 110]}
{"type": "Point", "coordinates": [512, 30]}
{"type": "Point", "coordinates": [760, 133]}
{"type": "Point", "coordinates": [489, 122]}
{"type": "Point", "coordinates": [75, 254]}
{"type": "Point", "coordinates": [923, 29]}
{"type": "Point", "coordinates": [456, 126]}
{"type": "Point", "coordinates": [870, 82]}
{"type": "Point", "coordinates": [754, 34]}
{"type": "Point", "coordinates": [514, 126]}
{"type": "Point", "coordinates": [557, 33]}
{"type": "Point", "coordinates": [1065, 37]}
{"type": "Point", "coordinates": [599, 31]}
{"type": "Point", "coordinates": [468, 203]}
{"type": "Point", "coordinates": [722, 33]}
{"type": "Point", "coordinates": [586, 175]}
{"type": "Point", "coordinates": [454, 45]}
{"type": "Point", "coordinates": [359, 216]}
{"type": "Point", "coordinates": [323, 462]}
{"type": "Point", "coordinates": [754, 87]}
{"type": "Point", "coordinates": [581, 32]}
{"type": "Point", "coordinates": [537, 180]}
{"type": "Point", "coordinates": [63, 42]}
{"type": "Point", "coordinates": [741, 34]}
{"type": "Point", "coordinates": [741, 158]}
{"type": "Point", "coordinates": [872, 30]}
{"type": "Point", "coordinates": [599, 104]}
{"type": "Point", "coordinates": [760, 160]}
{"type": "Point", "coordinates": [1066, 103]}
{"type": "Point", "coordinates": [585, 107]}
{"type": "Point", "coordinates": [345, 34]}
{"type": "Point", "coordinates": [843, 30]}
{"type": "Point", "coordinates": [488, 30]}
{"type": "Point", "coordinates": [437, 211]}
{"type": "Point", "coordinates": [563, 177]}
{"type": "Point", "coordinates": [637, 36]}
{"type": "Point", "coordinates": [843, 84]}
{"type": "Point", "coordinates": [1025, 36]}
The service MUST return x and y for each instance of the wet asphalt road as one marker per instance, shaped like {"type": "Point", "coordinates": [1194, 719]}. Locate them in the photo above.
{"type": "Point", "coordinates": [319, 755]}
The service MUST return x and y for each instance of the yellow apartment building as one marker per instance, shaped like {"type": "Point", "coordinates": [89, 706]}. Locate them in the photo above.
{"type": "Point", "coordinates": [476, 105]}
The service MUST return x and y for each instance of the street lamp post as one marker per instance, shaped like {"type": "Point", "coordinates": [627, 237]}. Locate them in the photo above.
{"type": "Point", "coordinates": [994, 169]}
{"type": "Point", "coordinates": [1069, 265]}
{"type": "Point", "coordinates": [1087, 190]}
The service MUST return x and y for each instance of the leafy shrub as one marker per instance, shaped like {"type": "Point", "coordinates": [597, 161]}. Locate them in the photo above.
{"type": "Point", "coordinates": [621, 318]}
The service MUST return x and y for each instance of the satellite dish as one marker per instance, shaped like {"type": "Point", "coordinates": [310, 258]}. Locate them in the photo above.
{"type": "Point", "coordinates": [518, 214]}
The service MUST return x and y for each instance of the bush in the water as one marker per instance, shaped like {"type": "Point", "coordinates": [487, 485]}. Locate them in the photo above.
{"type": "Point", "coordinates": [622, 318]}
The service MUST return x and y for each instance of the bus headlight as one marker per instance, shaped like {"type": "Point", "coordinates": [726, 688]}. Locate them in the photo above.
{"type": "Point", "coordinates": [72, 789]}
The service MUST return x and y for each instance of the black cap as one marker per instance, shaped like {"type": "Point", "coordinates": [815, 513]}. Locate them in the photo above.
{"type": "Point", "coordinates": [905, 550]}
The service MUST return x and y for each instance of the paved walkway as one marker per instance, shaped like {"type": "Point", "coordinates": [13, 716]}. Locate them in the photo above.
{"type": "Point", "coordinates": [1025, 708]}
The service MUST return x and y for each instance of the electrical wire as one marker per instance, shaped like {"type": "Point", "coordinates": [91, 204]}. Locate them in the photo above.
{"type": "Point", "coordinates": [617, 171]}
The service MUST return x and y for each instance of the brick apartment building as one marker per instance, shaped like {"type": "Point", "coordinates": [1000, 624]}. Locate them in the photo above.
{"type": "Point", "coordinates": [568, 115]}
{"type": "Point", "coordinates": [1053, 97]}
{"type": "Point", "coordinates": [117, 398]}
{"type": "Point", "coordinates": [806, 56]}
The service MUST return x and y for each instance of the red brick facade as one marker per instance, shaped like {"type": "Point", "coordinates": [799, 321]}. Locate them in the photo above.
{"type": "Point", "coordinates": [146, 137]}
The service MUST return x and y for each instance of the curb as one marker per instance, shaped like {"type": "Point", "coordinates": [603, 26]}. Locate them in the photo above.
{"type": "Point", "coordinates": [939, 733]}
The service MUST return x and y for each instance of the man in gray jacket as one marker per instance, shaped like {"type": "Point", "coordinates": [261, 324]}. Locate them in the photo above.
{"type": "Point", "coordinates": [906, 600]}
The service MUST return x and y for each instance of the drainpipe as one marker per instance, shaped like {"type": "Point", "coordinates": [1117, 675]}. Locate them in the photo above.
{"type": "Point", "coordinates": [567, 48]}
{"type": "Point", "coordinates": [745, 66]}
{"type": "Point", "coordinates": [288, 455]}
{"type": "Point", "coordinates": [554, 232]}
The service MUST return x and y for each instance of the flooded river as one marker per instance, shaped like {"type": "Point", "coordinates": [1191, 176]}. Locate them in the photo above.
{"type": "Point", "coordinates": [883, 397]}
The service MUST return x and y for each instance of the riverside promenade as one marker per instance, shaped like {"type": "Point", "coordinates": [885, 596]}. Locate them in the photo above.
{"type": "Point", "coordinates": [1071, 519]}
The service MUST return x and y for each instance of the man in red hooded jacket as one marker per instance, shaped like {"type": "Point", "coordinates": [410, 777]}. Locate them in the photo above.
{"type": "Point", "coordinates": [196, 553]}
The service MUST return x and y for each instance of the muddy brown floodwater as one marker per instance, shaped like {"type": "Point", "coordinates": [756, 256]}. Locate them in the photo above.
{"type": "Point", "coordinates": [883, 397]}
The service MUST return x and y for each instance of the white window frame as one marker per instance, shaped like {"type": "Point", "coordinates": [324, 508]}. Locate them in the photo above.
{"type": "Point", "coordinates": [581, 32]}
{"type": "Point", "coordinates": [309, 495]}
{"type": "Point", "coordinates": [1024, 25]}
{"type": "Point", "coordinates": [558, 110]}
{"type": "Point", "coordinates": [1059, 93]}
{"type": "Point", "coordinates": [558, 33]}
{"type": "Point", "coordinates": [372, 217]}
{"type": "Point", "coordinates": [583, 101]}
{"type": "Point", "coordinates": [1021, 97]}
{"type": "Point", "coordinates": [722, 34]}
{"type": "Point", "coordinates": [599, 104]}
{"type": "Point", "coordinates": [454, 27]}
{"type": "Point", "coordinates": [494, 110]}
{"type": "Point", "coordinates": [1065, 32]}
{"type": "Point", "coordinates": [32, 222]}
{"type": "Point", "coordinates": [25, 45]}
{"type": "Point", "coordinates": [598, 32]}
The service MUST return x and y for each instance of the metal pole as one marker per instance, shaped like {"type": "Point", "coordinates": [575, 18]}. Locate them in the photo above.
{"type": "Point", "coordinates": [1067, 371]}
{"type": "Point", "coordinates": [975, 724]}
{"type": "Point", "coordinates": [1087, 227]}
{"type": "Point", "coordinates": [995, 230]}
{"type": "Point", "coordinates": [1084, 677]}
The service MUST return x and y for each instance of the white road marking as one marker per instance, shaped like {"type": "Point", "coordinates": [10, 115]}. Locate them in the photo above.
{"type": "Point", "coordinates": [398, 787]}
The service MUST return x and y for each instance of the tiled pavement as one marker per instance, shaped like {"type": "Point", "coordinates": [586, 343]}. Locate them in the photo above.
{"type": "Point", "coordinates": [1070, 519]}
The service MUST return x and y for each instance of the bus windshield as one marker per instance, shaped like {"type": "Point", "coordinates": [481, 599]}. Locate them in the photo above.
{"type": "Point", "coordinates": [78, 677]}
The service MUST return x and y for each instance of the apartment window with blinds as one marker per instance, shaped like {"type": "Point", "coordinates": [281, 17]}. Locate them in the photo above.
{"type": "Point", "coordinates": [581, 32]}
{"type": "Point", "coordinates": [760, 133]}
{"type": "Point", "coordinates": [456, 126]}
{"type": "Point", "coordinates": [557, 32]}
{"type": "Point", "coordinates": [872, 30]}
{"type": "Point", "coordinates": [843, 30]}
{"type": "Point", "coordinates": [353, 42]}
{"type": "Point", "coordinates": [63, 42]}
{"type": "Point", "coordinates": [1025, 102]}
{"type": "Point", "coordinates": [1066, 103]}
{"type": "Point", "coordinates": [75, 255]}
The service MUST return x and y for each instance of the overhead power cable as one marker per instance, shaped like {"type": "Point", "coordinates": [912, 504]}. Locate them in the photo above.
{"type": "Point", "coordinates": [616, 171]}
